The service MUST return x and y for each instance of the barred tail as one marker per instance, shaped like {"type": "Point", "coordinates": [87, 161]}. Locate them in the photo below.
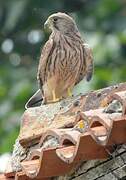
{"type": "Point", "coordinates": [89, 72]}
{"type": "Point", "coordinates": [89, 62]}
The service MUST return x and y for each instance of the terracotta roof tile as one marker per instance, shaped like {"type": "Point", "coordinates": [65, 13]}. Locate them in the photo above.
{"type": "Point", "coordinates": [66, 157]}
{"type": "Point", "coordinates": [3, 177]}
{"type": "Point", "coordinates": [65, 144]}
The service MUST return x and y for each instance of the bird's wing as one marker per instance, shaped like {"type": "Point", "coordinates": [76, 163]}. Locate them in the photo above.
{"type": "Point", "coordinates": [36, 99]}
{"type": "Point", "coordinates": [46, 52]}
{"type": "Point", "coordinates": [87, 66]}
{"type": "Point", "coordinates": [89, 61]}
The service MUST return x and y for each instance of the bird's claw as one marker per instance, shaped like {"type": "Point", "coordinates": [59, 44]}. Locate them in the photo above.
{"type": "Point", "coordinates": [69, 92]}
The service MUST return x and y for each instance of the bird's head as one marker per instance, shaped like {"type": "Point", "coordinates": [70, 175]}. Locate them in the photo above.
{"type": "Point", "coordinates": [60, 22]}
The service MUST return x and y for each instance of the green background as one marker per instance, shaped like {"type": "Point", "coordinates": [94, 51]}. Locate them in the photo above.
{"type": "Point", "coordinates": [102, 24]}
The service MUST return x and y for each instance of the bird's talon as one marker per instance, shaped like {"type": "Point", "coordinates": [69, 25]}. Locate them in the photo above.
{"type": "Point", "coordinates": [54, 97]}
{"type": "Point", "coordinates": [69, 92]}
{"type": "Point", "coordinates": [56, 100]}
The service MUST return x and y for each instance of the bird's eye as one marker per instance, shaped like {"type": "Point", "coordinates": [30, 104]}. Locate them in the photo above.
{"type": "Point", "coordinates": [55, 19]}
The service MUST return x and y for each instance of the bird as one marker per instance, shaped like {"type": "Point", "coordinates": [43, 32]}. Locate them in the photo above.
{"type": "Point", "coordinates": [65, 59]}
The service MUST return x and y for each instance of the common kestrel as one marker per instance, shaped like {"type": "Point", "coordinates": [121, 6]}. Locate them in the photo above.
{"type": "Point", "coordinates": [65, 59]}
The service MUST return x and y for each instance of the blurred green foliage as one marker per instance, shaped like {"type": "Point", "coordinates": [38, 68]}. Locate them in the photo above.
{"type": "Point", "coordinates": [102, 24]}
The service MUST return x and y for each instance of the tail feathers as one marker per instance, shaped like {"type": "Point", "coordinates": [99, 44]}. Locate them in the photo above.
{"type": "Point", "coordinates": [89, 72]}
{"type": "Point", "coordinates": [35, 100]}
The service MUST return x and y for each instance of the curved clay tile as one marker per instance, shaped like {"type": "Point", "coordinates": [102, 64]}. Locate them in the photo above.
{"type": "Point", "coordinates": [72, 146]}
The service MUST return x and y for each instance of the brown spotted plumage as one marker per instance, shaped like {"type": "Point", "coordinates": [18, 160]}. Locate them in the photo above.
{"type": "Point", "coordinates": [65, 59]}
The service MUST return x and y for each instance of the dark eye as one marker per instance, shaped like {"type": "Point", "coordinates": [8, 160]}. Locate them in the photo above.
{"type": "Point", "coordinates": [55, 19]}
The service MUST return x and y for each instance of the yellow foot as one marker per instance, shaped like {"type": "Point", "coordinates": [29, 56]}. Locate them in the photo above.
{"type": "Point", "coordinates": [69, 92]}
{"type": "Point", "coordinates": [54, 97]}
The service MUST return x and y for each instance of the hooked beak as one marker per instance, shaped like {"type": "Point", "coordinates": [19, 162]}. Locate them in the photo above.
{"type": "Point", "coordinates": [46, 25]}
